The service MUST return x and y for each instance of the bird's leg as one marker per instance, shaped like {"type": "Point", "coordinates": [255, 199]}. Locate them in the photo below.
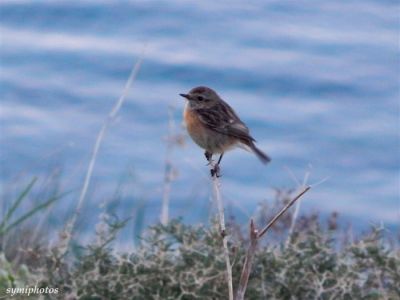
{"type": "Point", "coordinates": [216, 170]}
{"type": "Point", "coordinates": [220, 158]}
{"type": "Point", "coordinates": [208, 156]}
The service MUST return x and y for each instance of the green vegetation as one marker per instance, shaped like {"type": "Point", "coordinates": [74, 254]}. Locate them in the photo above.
{"type": "Point", "coordinates": [309, 260]}
{"type": "Point", "coordinates": [180, 261]}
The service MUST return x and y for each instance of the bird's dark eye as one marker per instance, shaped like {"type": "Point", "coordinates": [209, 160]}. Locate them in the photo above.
{"type": "Point", "coordinates": [200, 98]}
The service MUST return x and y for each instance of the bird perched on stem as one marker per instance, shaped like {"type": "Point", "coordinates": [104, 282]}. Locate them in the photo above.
{"type": "Point", "coordinates": [215, 127]}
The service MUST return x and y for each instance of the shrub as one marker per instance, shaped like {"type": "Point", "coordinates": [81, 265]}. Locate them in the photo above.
{"type": "Point", "coordinates": [179, 261]}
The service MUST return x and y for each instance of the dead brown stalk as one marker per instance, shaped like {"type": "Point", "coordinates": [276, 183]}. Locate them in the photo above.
{"type": "Point", "coordinates": [218, 199]}
{"type": "Point", "coordinates": [254, 237]}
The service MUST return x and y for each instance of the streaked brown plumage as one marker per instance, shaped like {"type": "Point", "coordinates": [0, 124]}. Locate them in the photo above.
{"type": "Point", "coordinates": [214, 125]}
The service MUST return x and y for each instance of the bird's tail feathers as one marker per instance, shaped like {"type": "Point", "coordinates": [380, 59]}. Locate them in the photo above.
{"type": "Point", "coordinates": [249, 146]}
{"type": "Point", "coordinates": [261, 155]}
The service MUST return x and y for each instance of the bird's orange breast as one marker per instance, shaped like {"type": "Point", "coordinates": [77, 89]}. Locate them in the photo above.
{"type": "Point", "coordinates": [195, 127]}
{"type": "Point", "coordinates": [193, 123]}
{"type": "Point", "coordinates": [210, 140]}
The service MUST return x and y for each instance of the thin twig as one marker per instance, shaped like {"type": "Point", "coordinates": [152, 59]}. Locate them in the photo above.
{"type": "Point", "coordinates": [278, 215]}
{"type": "Point", "coordinates": [292, 223]}
{"type": "Point", "coordinates": [297, 209]}
{"type": "Point", "coordinates": [244, 277]}
{"type": "Point", "coordinates": [254, 237]}
{"type": "Point", "coordinates": [221, 216]}
{"type": "Point", "coordinates": [111, 116]}
{"type": "Point", "coordinates": [169, 172]}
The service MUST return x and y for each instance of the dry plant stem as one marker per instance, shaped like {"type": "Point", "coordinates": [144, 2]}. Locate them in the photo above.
{"type": "Point", "coordinates": [244, 277]}
{"type": "Point", "coordinates": [293, 223]}
{"type": "Point", "coordinates": [164, 217]}
{"type": "Point", "coordinates": [254, 236]}
{"type": "Point", "coordinates": [218, 199]}
{"type": "Point", "coordinates": [111, 116]}
{"type": "Point", "coordinates": [296, 209]}
{"type": "Point", "coordinates": [283, 210]}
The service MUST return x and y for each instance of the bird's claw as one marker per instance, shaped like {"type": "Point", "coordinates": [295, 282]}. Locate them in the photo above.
{"type": "Point", "coordinates": [208, 156]}
{"type": "Point", "coordinates": [215, 171]}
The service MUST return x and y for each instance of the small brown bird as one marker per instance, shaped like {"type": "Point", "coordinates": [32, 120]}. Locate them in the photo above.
{"type": "Point", "coordinates": [215, 127]}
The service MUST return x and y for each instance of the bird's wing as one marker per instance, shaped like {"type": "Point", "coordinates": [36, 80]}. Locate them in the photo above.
{"type": "Point", "coordinates": [222, 119]}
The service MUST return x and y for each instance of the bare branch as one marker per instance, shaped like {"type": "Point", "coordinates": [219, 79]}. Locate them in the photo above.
{"type": "Point", "coordinates": [297, 208]}
{"type": "Point", "coordinates": [169, 170]}
{"type": "Point", "coordinates": [218, 200]}
{"type": "Point", "coordinates": [287, 206]}
{"type": "Point", "coordinates": [292, 223]}
{"type": "Point", "coordinates": [251, 251]}
{"type": "Point", "coordinates": [244, 277]}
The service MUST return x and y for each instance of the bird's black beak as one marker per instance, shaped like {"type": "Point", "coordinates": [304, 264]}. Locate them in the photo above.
{"type": "Point", "coordinates": [185, 96]}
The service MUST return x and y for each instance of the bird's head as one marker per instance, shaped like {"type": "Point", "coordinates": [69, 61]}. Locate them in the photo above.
{"type": "Point", "coordinates": [201, 97]}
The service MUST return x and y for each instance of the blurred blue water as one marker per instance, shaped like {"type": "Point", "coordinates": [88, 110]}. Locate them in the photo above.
{"type": "Point", "coordinates": [316, 81]}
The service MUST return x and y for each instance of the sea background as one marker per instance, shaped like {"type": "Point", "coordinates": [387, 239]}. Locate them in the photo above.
{"type": "Point", "coordinates": [317, 82]}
